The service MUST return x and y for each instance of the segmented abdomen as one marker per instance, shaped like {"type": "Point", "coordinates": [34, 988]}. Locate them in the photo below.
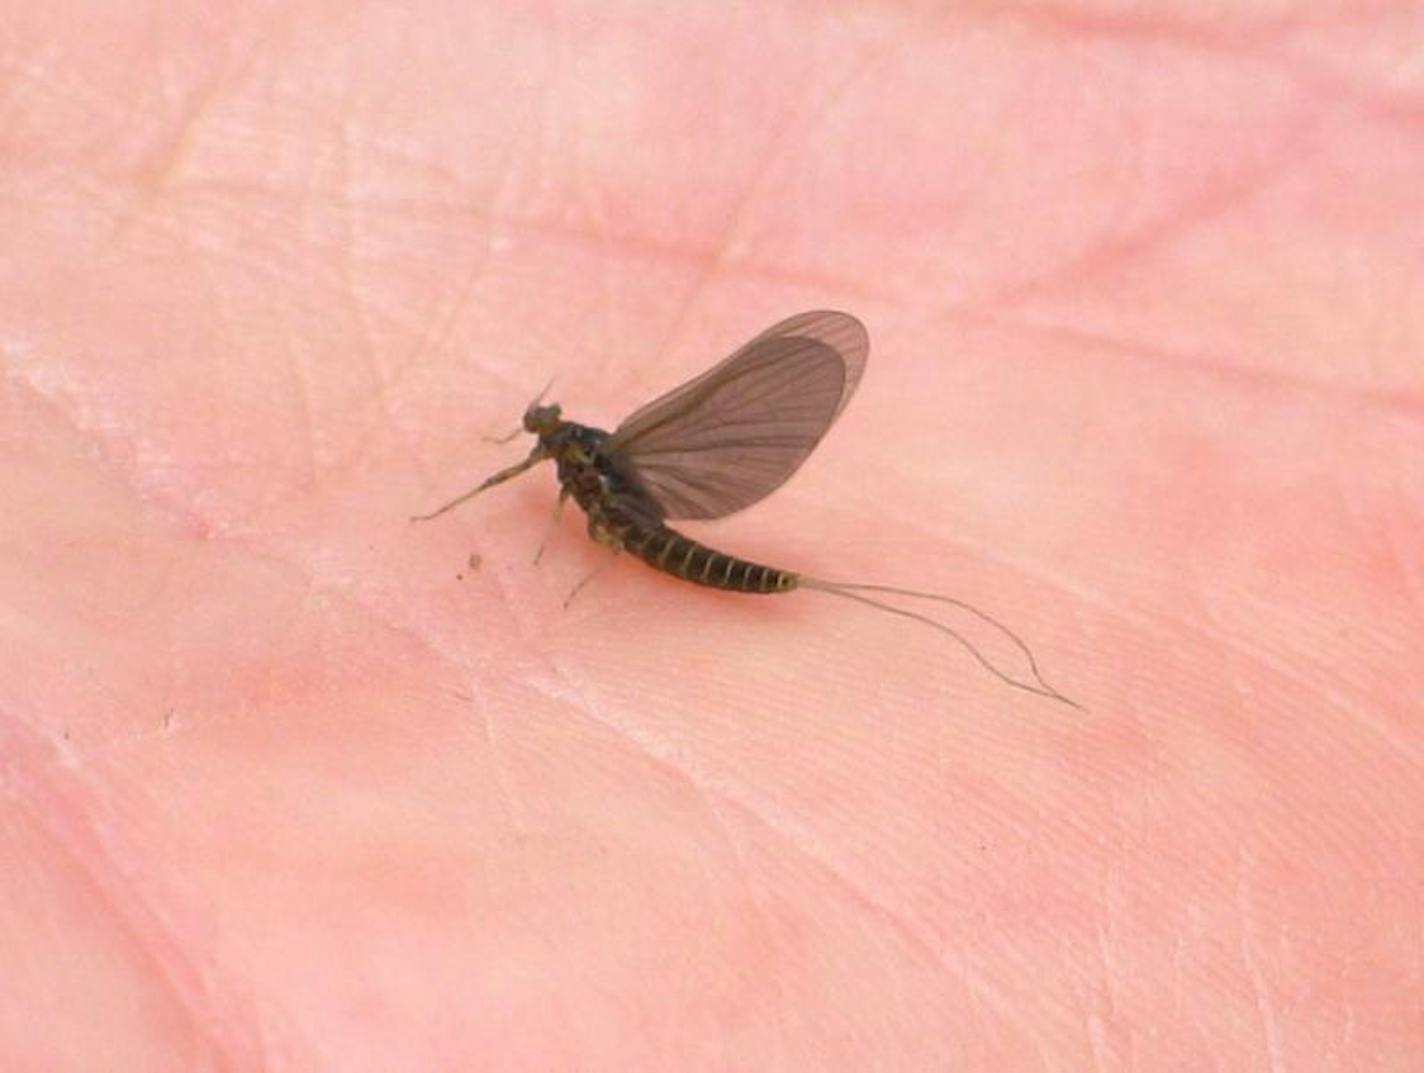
{"type": "Point", "coordinates": [671, 552]}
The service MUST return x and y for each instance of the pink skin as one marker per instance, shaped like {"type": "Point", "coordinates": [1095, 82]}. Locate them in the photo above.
{"type": "Point", "coordinates": [287, 783]}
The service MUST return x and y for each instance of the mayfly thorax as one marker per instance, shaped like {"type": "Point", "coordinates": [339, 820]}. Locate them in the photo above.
{"type": "Point", "coordinates": [717, 444]}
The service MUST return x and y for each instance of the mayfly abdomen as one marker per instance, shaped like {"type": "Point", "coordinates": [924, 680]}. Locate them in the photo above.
{"type": "Point", "coordinates": [669, 551]}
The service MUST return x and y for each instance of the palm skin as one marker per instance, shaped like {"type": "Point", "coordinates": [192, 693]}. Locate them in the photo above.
{"type": "Point", "coordinates": [290, 783]}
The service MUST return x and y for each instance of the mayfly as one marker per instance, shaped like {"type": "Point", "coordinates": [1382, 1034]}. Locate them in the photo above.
{"type": "Point", "coordinates": [713, 446]}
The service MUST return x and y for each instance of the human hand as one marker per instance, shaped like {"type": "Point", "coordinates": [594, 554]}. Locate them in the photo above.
{"type": "Point", "coordinates": [288, 782]}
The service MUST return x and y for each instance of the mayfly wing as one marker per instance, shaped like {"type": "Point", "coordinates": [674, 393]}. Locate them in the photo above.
{"type": "Point", "coordinates": [734, 434]}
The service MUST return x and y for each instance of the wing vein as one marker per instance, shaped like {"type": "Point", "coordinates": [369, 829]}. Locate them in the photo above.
{"type": "Point", "coordinates": [731, 436]}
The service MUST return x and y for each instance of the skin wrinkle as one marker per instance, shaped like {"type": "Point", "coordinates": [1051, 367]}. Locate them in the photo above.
{"type": "Point", "coordinates": [1191, 213]}
{"type": "Point", "coordinates": [135, 915]}
{"type": "Point", "coordinates": [716, 251]}
{"type": "Point", "coordinates": [1112, 972]}
{"type": "Point", "coordinates": [753, 894]}
{"type": "Point", "coordinates": [692, 255]}
{"type": "Point", "coordinates": [54, 403]}
{"type": "Point", "coordinates": [912, 521]}
{"type": "Point", "coordinates": [177, 226]}
{"type": "Point", "coordinates": [45, 75]}
{"type": "Point", "coordinates": [512, 807]}
{"type": "Point", "coordinates": [1405, 561]}
{"type": "Point", "coordinates": [313, 589]}
{"type": "Point", "coordinates": [544, 122]}
{"type": "Point", "coordinates": [359, 311]}
{"type": "Point", "coordinates": [1211, 202]}
{"type": "Point", "coordinates": [1272, 380]}
{"type": "Point", "coordinates": [800, 843]}
{"type": "Point", "coordinates": [1163, 616]}
{"type": "Point", "coordinates": [1265, 1003]}
{"type": "Point", "coordinates": [164, 165]}
{"type": "Point", "coordinates": [1132, 351]}
{"type": "Point", "coordinates": [800, 124]}
{"type": "Point", "coordinates": [169, 158]}
{"type": "Point", "coordinates": [135, 434]}
{"type": "Point", "coordinates": [338, 191]}
{"type": "Point", "coordinates": [513, 592]}
{"type": "Point", "coordinates": [1081, 269]}
{"type": "Point", "coordinates": [562, 60]}
{"type": "Point", "coordinates": [801, 846]}
{"type": "Point", "coordinates": [162, 172]}
{"type": "Point", "coordinates": [300, 379]}
{"type": "Point", "coordinates": [1320, 687]}
{"type": "Point", "coordinates": [719, 258]}
{"type": "Point", "coordinates": [1009, 1010]}
{"type": "Point", "coordinates": [505, 191]}
{"type": "Point", "coordinates": [434, 341]}
{"type": "Point", "coordinates": [431, 343]}
{"type": "Point", "coordinates": [1099, 1044]}
{"type": "Point", "coordinates": [1396, 109]}
{"type": "Point", "coordinates": [1237, 35]}
{"type": "Point", "coordinates": [268, 273]}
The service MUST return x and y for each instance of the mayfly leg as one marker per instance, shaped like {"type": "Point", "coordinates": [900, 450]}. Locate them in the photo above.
{"type": "Point", "coordinates": [553, 524]}
{"type": "Point", "coordinates": [612, 555]}
{"type": "Point", "coordinates": [536, 456]}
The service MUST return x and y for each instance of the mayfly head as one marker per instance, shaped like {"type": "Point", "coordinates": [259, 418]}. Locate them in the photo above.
{"type": "Point", "coordinates": [542, 420]}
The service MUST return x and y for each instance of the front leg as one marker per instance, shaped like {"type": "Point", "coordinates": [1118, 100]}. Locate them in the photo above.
{"type": "Point", "coordinates": [552, 525]}
{"type": "Point", "coordinates": [535, 456]}
{"type": "Point", "coordinates": [599, 533]}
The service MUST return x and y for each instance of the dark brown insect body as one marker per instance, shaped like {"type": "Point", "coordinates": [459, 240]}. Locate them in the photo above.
{"type": "Point", "coordinates": [623, 518]}
{"type": "Point", "coordinates": [717, 444]}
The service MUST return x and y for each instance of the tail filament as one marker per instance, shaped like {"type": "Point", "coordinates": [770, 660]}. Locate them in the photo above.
{"type": "Point", "coordinates": [850, 591]}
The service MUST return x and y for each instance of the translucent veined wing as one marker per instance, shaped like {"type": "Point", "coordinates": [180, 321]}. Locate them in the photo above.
{"type": "Point", "coordinates": [737, 432]}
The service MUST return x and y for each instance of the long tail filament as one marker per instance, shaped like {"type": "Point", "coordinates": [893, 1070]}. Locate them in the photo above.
{"type": "Point", "coordinates": [852, 592]}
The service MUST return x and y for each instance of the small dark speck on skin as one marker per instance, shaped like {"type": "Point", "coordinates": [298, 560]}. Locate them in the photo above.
{"type": "Point", "coordinates": [168, 719]}
{"type": "Point", "coordinates": [473, 562]}
{"type": "Point", "coordinates": [464, 696]}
